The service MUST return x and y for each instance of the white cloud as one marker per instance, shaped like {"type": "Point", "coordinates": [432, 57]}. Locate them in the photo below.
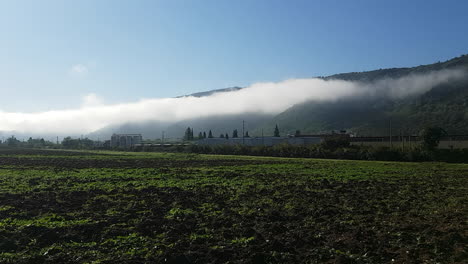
{"type": "Point", "coordinates": [79, 69]}
{"type": "Point", "coordinates": [260, 97]}
{"type": "Point", "coordinates": [90, 100]}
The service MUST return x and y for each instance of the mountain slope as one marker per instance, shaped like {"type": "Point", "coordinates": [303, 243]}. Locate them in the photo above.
{"type": "Point", "coordinates": [217, 124]}
{"type": "Point", "coordinates": [445, 106]}
{"type": "Point", "coordinates": [208, 93]}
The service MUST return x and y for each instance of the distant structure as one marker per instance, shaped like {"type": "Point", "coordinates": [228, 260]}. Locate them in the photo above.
{"type": "Point", "coordinates": [295, 139]}
{"type": "Point", "coordinates": [125, 140]}
{"type": "Point", "coordinates": [261, 141]}
{"type": "Point", "coordinates": [400, 141]}
{"type": "Point", "coordinates": [410, 142]}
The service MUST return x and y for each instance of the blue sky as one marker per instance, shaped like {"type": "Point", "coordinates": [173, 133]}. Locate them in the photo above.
{"type": "Point", "coordinates": [52, 53]}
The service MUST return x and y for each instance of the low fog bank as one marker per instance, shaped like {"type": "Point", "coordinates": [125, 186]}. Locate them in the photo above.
{"type": "Point", "coordinates": [217, 125]}
{"type": "Point", "coordinates": [262, 98]}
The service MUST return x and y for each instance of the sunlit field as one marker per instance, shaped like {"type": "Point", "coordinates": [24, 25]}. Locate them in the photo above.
{"type": "Point", "coordinates": [115, 207]}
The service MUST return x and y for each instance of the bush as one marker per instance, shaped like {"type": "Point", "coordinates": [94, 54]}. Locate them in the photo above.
{"type": "Point", "coordinates": [431, 137]}
{"type": "Point", "coordinates": [325, 152]}
{"type": "Point", "coordinates": [334, 142]}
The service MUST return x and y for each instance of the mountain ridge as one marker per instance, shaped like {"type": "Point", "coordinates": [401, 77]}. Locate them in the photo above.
{"type": "Point", "coordinates": [445, 105]}
{"type": "Point", "coordinates": [408, 115]}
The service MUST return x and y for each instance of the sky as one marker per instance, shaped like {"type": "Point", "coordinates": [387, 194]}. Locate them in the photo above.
{"type": "Point", "coordinates": [59, 54]}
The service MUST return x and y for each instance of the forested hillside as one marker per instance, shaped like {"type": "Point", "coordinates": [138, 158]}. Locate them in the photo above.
{"type": "Point", "coordinates": [445, 106]}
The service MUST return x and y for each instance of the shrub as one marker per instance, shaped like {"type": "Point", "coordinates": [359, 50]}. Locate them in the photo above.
{"type": "Point", "coordinates": [334, 142]}
{"type": "Point", "coordinates": [324, 151]}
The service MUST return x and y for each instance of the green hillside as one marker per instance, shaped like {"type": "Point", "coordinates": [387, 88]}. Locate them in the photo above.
{"type": "Point", "coordinates": [461, 61]}
{"type": "Point", "coordinates": [445, 106]}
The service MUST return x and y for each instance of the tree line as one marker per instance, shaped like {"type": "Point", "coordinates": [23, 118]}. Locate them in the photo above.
{"type": "Point", "coordinates": [30, 143]}
{"type": "Point", "coordinates": [67, 143]}
{"type": "Point", "coordinates": [189, 134]}
{"type": "Point", "coordinates": [338, 147]}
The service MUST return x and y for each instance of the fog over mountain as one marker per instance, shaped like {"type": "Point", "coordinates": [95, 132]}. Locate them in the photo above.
{"type": "Point", "coordinates": [262, 100]}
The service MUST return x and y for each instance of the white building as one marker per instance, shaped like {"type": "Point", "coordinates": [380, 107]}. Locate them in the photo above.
{"type": "Point", "coordinates": [125, 140]}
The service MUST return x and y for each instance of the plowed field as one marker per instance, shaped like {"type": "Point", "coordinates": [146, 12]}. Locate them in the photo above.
{"type": "Point", "coordinates": [111, 207]}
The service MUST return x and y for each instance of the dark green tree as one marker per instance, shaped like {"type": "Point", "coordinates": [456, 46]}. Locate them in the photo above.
{"type": "Point", "coordinates": [86, 143]}
{"type": "Point", "coordinates": [334, 142]}
{"type": "Point", "coordinates": [13, 142]}
{"type": "Point", "coordinates": [227, 136]}
{"type": "Point", "coordinates": [210, 135]}
{"type": "Point", "coordinates": [70, 143]}
{"type": "Point", "coordinates": [30, 142]}
{"type": "Point", "coordinates": [188, 133]}
{"type": "Point", "coordinates": [276, 133]}
{"type": "Point", "coordinates": [204, 134]}
{"type": "Point", "coordinates": [234, 133]}
{"type": "Point", "coordinates": [431, 137]}
{"type": "Point", "coordinates": [200, 135]}
{"type": "Point", "coordinates": [221, 136]}
{"type": "Point", "coordinates": [298, 133]}
{"type": "Point", "coordinates": [247, 134]}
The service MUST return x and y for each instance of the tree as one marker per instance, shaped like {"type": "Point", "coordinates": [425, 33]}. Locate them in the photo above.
{"type": "Point", "coordinates": [336, 141]}
{"type": "Point", "coordinates": [70, 143]}
{"type": "Point", "coordinates": [204, 134]}
{"type": "Point", "coordinates": [188, 134]}
{"type": "Point", "coordinates": [210, 135]}
{"type": "Point", "coordinates": [222, 135]}
{"type": "Point", "coordinates": [298, 133]}
{"type": "Point", "coordinates": [227, 136]}
{"type": "Point", "coordinates": [86, 143]}
{"type": "Point", "coordinates": [12, 141]}
{"type": "Point", "coordinates": [247, 134]}
{"type": "Point", "coordinates": [431, 137]}
{"type": "Point", "coordinates": [276, 133]}
{"type": "Point", "coordinates": [30, 142]}
{"type": "Point", "coordinates": [200, 135]}
{"type": "Point", "coordinates": [234, 133]}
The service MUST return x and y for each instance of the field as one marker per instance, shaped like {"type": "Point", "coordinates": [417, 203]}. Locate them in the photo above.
{"type": "Point", "coordinates": [111, 207]}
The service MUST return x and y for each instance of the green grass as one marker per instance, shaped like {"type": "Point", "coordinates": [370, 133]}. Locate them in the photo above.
{"type": "Point", "coordinates": [148, 207]}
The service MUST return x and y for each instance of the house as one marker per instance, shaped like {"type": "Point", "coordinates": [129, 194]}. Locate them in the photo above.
{"type": "Point", "coordinates": [125, 140]}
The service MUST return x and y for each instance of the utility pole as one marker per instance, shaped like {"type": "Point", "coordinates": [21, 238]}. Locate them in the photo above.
{"type": "Point", "coordinates": [400, 138]}
{"type": "Point", "coordinates": [391, 144]}
{"type": "Point", "coordinates": [403, 139]}
{"type": "Point", "coordinates": [243, 134]}
{"type": "Point", "coordinates": [263, 140]}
